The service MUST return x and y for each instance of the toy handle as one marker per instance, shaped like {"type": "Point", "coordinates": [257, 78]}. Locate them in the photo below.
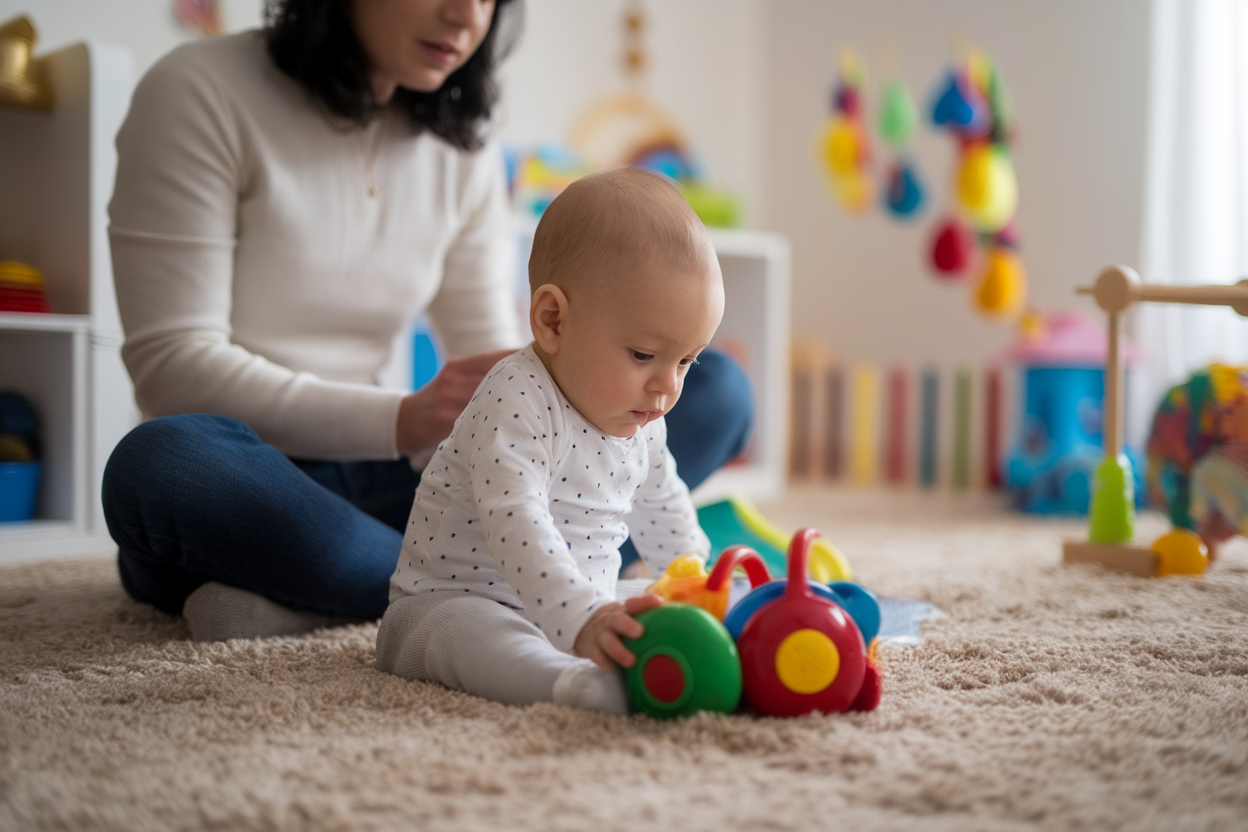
{"type": "Point", "coordinates": [735, 556]}
{"type": "Point", "coordinates": [798, 550]}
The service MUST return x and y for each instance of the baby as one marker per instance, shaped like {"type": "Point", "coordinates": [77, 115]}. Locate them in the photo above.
{"type": "Point", "coordinates": [505, 587]}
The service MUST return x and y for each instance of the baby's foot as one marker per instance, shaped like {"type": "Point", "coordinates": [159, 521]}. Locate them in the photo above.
{"type": "Point", "coordinates": [587, 686]}
{"type": "Point", "coordinates": [216, 612]}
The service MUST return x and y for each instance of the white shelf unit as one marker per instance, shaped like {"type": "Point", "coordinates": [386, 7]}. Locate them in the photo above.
{"type": "Point", "coordinates": [56, 175]}
{"type": "Point", "coordinates": [755, 329]}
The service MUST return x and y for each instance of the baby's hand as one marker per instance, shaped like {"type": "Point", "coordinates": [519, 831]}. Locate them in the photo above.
{"type": "Point", "coordinates": [599, 639]}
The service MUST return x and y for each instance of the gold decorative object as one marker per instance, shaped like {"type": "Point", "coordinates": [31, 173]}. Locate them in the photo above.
{"type": "Point", "coordinates": [20, 84]}
{"type": "Point", "coordinates": [634, 40]}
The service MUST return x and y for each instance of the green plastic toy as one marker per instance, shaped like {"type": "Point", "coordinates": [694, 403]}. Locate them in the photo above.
{"type": "Point", "coordinates": [686, 662]}
{"type": "Point", "coordinates": [736, 521]}
{"type": "Point", "coordinates": [1111, 517]}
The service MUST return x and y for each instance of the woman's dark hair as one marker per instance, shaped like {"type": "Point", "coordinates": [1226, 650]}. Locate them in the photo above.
{"type": "Point", "coordinates": [314, 42]}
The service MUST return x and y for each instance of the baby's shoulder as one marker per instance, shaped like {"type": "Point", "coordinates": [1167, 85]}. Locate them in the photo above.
{"type": "Point", "coordinates": [521, 380]}
{"type": "Point", "coordinates": [516, 402]}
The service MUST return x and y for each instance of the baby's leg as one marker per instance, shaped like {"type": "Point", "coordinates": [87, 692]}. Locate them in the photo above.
{"type": "Point", "coordinates": [477, 645]}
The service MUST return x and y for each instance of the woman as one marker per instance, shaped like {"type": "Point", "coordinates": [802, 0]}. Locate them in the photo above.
{"type": "Point", "coordinates": [285, 201]}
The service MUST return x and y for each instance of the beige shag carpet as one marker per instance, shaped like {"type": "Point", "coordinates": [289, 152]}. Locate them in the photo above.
{"type": "Point", "coordinates": [1048, 698]}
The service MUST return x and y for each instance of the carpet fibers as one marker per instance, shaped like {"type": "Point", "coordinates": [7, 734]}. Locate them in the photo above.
{"type": "Point", "coordinates": [1047, 698]}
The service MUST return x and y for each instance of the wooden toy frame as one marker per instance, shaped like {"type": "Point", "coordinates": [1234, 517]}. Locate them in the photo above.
{"type": "Point", "coordinates": [1116, 289]}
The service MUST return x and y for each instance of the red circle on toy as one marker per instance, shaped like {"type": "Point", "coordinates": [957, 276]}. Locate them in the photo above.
{"type": "Point", "coordinates": [663, 678]}
{"type": "Point", "coordinates": [770, 673]}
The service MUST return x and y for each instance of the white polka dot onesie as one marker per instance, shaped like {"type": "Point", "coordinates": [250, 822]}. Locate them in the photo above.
{"type": "Point", "coordinates": [527, 504]}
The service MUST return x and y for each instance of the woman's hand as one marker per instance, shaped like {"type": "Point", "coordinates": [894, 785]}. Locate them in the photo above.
{"type": "Point", "coordinates": [426, 416]}
{"type": "Point", "coordinates": [599, 639]}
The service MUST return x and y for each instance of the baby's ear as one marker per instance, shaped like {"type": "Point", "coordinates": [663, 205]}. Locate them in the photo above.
{"type": "Point", "coordinates": [547, 314]}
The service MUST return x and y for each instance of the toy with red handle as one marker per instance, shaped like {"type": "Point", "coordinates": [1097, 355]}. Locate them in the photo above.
{"type": "Point", "coordinates": [803, 653]}
{"type": "Point", "coordinates": [686, 581]}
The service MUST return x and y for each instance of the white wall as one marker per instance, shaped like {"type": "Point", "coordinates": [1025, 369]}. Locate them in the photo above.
{"type": "Point", "coordinates": [706, 67]}
{"type": "Point", "coordinates": [1077, 74]}
{"type": "Point", "coordinates": [146, 27]}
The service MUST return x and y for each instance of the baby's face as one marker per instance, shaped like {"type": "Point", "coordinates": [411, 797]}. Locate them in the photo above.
{"type": "Point", "coordinates": [626, 347]}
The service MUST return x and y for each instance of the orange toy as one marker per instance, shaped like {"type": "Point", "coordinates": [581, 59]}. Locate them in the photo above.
{"type": "Point", "coordinates": [685, 580]}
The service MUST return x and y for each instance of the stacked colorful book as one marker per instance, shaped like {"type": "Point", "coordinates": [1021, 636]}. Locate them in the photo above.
{"type": "Point", "coordinates": [21, 289]}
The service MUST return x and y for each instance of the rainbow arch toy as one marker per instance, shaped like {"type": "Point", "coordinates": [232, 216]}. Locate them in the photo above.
{"type": "Point", "coordinates": [737, 521]}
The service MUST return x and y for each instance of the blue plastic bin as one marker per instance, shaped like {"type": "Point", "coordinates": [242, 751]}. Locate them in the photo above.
{"type": "Point", "coordinates": [19, 489]}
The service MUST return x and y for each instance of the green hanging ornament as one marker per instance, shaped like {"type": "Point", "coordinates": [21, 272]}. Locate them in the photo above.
{"type": "Point", "coordinates": [899, 115]}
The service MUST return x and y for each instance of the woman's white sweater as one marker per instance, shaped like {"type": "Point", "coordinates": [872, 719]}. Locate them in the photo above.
{"type": "Point", "coordinates": [265, 255]}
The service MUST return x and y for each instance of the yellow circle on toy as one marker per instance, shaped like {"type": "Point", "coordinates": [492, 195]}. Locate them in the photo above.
{"type": "Point", "coordinates": [1180, 552]}
{"type": "Point", "coordinates": [807, 661]}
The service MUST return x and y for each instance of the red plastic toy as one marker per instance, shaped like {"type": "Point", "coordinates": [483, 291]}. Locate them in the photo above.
{"type": "Point", "coordinates": [802, 653]}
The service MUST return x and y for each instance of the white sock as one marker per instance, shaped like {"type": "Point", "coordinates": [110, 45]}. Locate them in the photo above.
{"type": "Point", "coordinates": [587, 686]}
{"type": "Point", "coordinates": [216, 612]}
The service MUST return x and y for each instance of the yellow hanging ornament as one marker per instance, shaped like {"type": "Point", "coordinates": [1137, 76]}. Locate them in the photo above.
{"type": "Point", "coordinates": [987, 187]}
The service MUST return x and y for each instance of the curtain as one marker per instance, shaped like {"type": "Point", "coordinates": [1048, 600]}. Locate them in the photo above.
{"type": "Point", "coordinates": [1195, 224]}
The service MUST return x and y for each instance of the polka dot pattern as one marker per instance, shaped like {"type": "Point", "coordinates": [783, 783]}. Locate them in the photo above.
{"type": "Point", "coordinates": [532, 503]}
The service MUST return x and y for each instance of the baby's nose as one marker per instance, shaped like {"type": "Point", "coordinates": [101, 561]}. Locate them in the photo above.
{"type": "Point", "coordinates": [666, 383]}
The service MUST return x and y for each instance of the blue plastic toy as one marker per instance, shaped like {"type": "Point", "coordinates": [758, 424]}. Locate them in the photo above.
{"type": "Point", "coordinates": [858, 601]}
{"type": "Point", "coordinates": [1051, 468]}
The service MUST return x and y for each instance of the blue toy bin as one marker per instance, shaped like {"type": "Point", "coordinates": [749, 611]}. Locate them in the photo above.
{"type": "Point", "coordinates": [19, 489]}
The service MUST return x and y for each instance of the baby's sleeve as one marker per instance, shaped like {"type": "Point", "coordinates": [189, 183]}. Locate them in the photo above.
{"type": "Point", "coordinates": [663, 523]}
{"type": "Point", "coordinates": [512, 445]}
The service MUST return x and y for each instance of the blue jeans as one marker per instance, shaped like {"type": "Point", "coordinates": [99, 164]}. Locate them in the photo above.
{"type": "Point", "coordinates": [190, 499]}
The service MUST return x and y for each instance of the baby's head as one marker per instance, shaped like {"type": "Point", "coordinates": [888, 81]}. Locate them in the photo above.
{"type": "Point", "coordinates": [626, 293]}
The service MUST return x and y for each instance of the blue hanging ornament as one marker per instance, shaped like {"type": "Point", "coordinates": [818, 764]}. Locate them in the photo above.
{"type": "Point", "coordinates": [904, 195]}
{"type": "Point", "coordinates": [956, 105]}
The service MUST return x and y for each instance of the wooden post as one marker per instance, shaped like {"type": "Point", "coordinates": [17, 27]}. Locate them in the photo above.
{"type": "Point", "coordinates": [1113, 388]}
{"type": "Point", "coordinates": [928, 430]}
{"type": "Point", "coordinates": [895, 434]}
{"type": "Point", "coordinates": [960, 476]}
{"type": "Point", "coordinates": [992, 428]}
{"type": "Point", "coordinates": [833, 457]}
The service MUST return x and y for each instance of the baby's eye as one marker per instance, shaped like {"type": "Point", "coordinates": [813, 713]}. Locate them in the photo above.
{"type": "Point", "coordinates": [688, 362]}
{"type": "Point", "coordinates": [642, 356]}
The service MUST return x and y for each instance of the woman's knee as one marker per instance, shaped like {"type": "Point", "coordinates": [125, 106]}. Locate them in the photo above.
{"type": "Point", "coordinates": [152, 458]}
{"type": "Point", "coordinates": [711, 423]}
{"type": "Point", "coordinates": [144, 482]}
{"type": "Point", "coordinates": [160, 443]}
{"type": "Point", "coordinates": [721, 385]}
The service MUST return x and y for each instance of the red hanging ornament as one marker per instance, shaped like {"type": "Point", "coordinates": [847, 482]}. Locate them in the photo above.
{"type": "Point", "coordinates": [953, 249]}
